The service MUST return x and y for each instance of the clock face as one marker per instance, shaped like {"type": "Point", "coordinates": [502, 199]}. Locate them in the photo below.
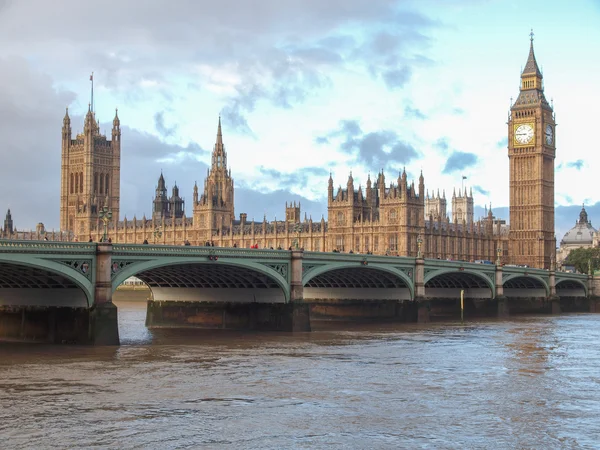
{"type": "Point", "coordinates": [549, 134]}
{"type": "Point", "coordinates": [524, 134]}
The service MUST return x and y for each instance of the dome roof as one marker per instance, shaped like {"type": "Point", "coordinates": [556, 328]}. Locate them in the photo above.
{"type": "Point", "coordinates": [582, 233]}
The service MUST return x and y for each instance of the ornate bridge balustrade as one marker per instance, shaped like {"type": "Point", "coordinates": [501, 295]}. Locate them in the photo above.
{"type": "Point", "coordinates": [277, 289]}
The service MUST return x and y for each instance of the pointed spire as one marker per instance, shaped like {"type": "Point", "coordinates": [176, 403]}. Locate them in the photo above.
{"type": "Point", "coordinates": [116, 121]}
{"type": "Point", "coordinates": [531, 67]}
{"type": "Point", "coordinates": [219, 134]}
{"type": "Point", "coordinates": [67, 119]}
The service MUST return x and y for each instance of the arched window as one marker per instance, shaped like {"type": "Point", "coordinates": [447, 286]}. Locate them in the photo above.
{"type": "Point", "coordinates": [71, 187]}
{"type": "Point", "coordinates": [81, 182]}
{"type": "Point", "coordinates": [76, 182]}
{"type": "Point", "coordinates": [101, 183]}
{"type": "Point", "coordinates": [107, 184]}
{"type": "Point", "coordinates": [95, 182]}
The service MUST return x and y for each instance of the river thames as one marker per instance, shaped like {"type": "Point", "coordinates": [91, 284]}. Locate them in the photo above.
{"type": "Point", "coordinates": [527, 382]}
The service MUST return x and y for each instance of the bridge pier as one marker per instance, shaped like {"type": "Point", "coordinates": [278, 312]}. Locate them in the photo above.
{"type": "Point", "coordinates": [553, 299]}
{"type": "Point", "coordinates": [501, 300]}
{"type": "Point", "coordinates": [299, 311]}
{"type": "Point", "coordinates": [103, 324]}
{"type": "Point", "coordinates": [423, 304]}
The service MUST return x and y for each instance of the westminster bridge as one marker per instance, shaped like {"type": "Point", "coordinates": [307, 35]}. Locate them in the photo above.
{"type": "Point", "coordinates": [62, 292]}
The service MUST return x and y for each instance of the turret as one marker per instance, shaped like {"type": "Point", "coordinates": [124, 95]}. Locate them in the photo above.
{"type": "Point", "coordinates": [66, 129]}
{"type": "Point", "coordinates": [116, 129]}
{"type": "Point", "coordinates": [195, 193]}
{"type": "Point", "coordinates": [421, 185]}
{"type": "Point", "coordinates": [350, 187]}
{"type": "Point", "coordinates": [8, 225]}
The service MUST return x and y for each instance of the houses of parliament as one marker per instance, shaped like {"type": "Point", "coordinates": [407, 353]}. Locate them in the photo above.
{"type": "Point", "coordinates": [394, 217]}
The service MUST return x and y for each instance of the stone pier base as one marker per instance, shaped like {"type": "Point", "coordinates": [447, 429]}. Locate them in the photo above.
{"type": "Point", "coordinates": [104, 324]}
{"type": "Point", "coordinates": [502, 306]}
{"type": "Point", "coordinates": [423, 311]}
{"type": "Point", "coordinates": [594, 303]}
{"type": "Point", "coordinates": [54, 325]}
{"type": "Point", "coordinates": [294, 316]}
{"type": "Point", "coordinates": [354, 310]}
{"type": "Point", "coordinates": [555, 302]}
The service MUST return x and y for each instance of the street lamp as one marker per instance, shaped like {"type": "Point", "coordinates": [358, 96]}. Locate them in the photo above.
{"type": "Point", "coordinates": [106, 217]}
{"type": "Point", "coordinates": [298, 230]}
{"type": "Point", "coordinates": [157, 233]}
{"type": "Point", "coordinates": [498, 254]}
{"type": "Point", "coordinates": [419, 243]}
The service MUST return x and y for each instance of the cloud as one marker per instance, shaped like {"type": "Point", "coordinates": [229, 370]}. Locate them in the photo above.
{"type": "Point", "coordinates": [159, 124]}
{"type": "Point", "coordinates": [272, 204]}
{"type": "Point", "coordinates": [376, 149]}
{"type": "Point", "coordinates": [442, 144]}
{"type": "Point", "coordinates": [502, 143]}
{"type": "Point", "coordinates": [575, 164]}
{"type": "Point", "coordinates": [294, 180]}
{"type": "Point", "coordinates": [269, 51]}
{"type": "Point", "coordinates": [414, 113]}
{"type": "Point", "coordinates": [459, 161]}
{"type": "Point", "coordinates": [481, 190]}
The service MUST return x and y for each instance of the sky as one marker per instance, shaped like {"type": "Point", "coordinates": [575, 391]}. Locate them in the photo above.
{"type": "Point", "coordinates": [303, 87]}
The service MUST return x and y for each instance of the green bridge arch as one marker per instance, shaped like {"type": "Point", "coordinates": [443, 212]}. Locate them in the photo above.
{"type": "Point", "coordinates": [73, 275]}
{"type": "Point", "coordinates": [455, 271]}
{"type": "Point", "coordinates": [137, 267]}
{"type": "Point", "coordinates": [319, 270]}
{"type": "Point", "coordinates": [512, 276]}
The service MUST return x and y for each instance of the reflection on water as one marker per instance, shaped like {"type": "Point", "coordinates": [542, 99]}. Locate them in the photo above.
{"type": "Point", "coordinates": [525, 383]}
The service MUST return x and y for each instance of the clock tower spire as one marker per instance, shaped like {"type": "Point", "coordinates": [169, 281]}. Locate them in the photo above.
{"type": "Point", "coordinates": [531, 153]}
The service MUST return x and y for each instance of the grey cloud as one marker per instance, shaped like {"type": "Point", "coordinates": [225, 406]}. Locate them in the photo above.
{"type": "Point", "coordinates": [379, 149]}
{"type": "Point", "coordinates": [397, 78]}
{"type": "Point", "coordinates": [321, 140]}
{"type": "Point", "coordinates": [272, 204]}
{"type": "Point", "coordinates": [159, 124]}
{"type": "Point", "coordinates": [575, 164]}
{"type": "Point", "coordinates": [296, 179]}
{"type": "Point", "coordinates": [414, 113]}
{"type": "Point", "coordinates": [481, 190]}
{"type": "Point", "coordinates": [459, 161]}
{"type": "Point", "coordinates": [281, 51]}
{"type": "Point", "coordinates": [442, 144]}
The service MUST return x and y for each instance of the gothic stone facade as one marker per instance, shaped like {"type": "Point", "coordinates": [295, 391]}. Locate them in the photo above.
{"type": "Point", "coordinates": [384, 218]}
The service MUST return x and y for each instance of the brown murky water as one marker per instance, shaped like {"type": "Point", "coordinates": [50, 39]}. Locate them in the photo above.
{"type": "Point", "coordinates": [525, 383]}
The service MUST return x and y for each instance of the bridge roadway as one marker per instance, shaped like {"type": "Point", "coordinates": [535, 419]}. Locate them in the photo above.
{"type": "Point", "coordinates": [63, 291]}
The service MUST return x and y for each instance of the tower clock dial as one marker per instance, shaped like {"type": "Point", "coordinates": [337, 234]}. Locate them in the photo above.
{"type": "Point", "coordinates": [549, 134]}
{"type": "Point", "coordinates": [523, 134]}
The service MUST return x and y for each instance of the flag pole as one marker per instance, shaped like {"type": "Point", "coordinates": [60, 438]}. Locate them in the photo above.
{"type": "Point", "coordinates": [92, 80]}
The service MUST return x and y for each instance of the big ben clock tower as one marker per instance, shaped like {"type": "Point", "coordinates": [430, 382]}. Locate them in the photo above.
{"type": "Point", "coordinates": [531, 153]}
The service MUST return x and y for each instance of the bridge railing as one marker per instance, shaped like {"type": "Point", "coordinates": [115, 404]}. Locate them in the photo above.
{"type": "Point", "coordinates": [329, 256]}
{"type": "Point", "coordinates": [14, 246]}
{"type": "Point", "coordinates": [188, 250]}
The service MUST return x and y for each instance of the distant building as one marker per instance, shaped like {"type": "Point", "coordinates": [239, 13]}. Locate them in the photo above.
{"type": "Point", "coordinates": [580, 236]}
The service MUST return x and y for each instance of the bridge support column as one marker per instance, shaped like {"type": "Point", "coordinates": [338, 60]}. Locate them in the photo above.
{"type": "Point", "coordinates": [423, 305]}
{"type": "Point", "coordinates": [501, 300]}
{"type": "Point", "coordinates": [299, 311]}
{"type": "Point", "coordinates": [594, 299]}
{"type": "Point", "coordinates": [554, 299]}
{"type": "Point", "coordinates": [104, 326]}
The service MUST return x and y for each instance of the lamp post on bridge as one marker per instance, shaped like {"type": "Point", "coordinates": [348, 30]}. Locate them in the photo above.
{"type": "Point", "coordinates": [498, 254]}
{"type": "Point", "coordinates": [157, 233]}
{"type": "Point", "coordinates": [419, 243]}
{"type": "Point", "coordinates": [106, 217]}
{"type": "Point", "coordinates": [297, 229]}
